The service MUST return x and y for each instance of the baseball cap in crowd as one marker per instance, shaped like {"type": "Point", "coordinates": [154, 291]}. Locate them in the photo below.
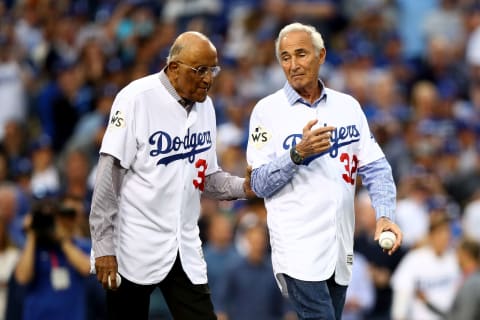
{"type": "Point", "coordinates": [22, 167]}
{"type": "Point", "coordinates": [63, 64]}
{"type": "Point", "coordinates": [42, 142]}
{"type": "Point", "coordinates": [439, 218]}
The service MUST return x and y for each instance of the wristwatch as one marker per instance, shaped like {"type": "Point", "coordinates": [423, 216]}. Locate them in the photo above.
{"type": "Point", "coordinates": [296, 157]}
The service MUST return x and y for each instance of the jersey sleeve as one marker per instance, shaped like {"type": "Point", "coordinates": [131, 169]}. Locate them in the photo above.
{"type": "Point", "coordinates": [260, 148]}
{"type": "Point", "coordinates": [369, 149]}
{"type": "Point", "coordinates": [119, 139]}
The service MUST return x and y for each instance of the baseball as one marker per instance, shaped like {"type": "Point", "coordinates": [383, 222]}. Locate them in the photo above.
{"type": "Point", "coordinates": [387, 239]}
{"type": "Point", "coordinates": [119, 281]}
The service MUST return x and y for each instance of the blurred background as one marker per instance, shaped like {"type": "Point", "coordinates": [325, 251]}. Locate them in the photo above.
{"type": "Point", "coordinates": [414, 65]}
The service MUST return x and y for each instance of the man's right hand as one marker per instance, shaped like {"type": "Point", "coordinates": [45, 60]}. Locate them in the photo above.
{"type": "Point", "coordinates": [247, 187]}
{"type": "Point", "coordinates": [314, 141]}
{"type": "Point", "coordinates": [105, 266]}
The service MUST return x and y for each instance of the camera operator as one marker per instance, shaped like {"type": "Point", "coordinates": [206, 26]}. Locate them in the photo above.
{"type": "Point", "coordinates": [53, 265]}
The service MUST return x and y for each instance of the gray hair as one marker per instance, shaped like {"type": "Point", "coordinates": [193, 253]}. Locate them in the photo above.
{"type": "Point", "coordinates": [317, 39]}
{"type": "Point", "coordinates": [174, 51]}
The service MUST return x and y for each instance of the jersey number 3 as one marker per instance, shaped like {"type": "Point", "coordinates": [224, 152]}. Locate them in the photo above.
{"type": "Point", "coordinates": [199, 182]}
{"type": "Point", "coordinates": [351, 166]}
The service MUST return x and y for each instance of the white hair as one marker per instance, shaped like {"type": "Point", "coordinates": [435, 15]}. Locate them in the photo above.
{"type": "Point", "coordinates": [317, 39]}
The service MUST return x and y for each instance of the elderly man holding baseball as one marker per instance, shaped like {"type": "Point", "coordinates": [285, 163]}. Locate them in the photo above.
{"type": "Point", "coordinates": [158, 157]}
{"type": "Point", "coordinates": [307, 145]}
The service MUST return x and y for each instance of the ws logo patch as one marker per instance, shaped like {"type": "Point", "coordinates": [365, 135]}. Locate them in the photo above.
{"type": "Point", "coordinates": [117, 120]}
{"type": "Point", "coordinates": [259, 137]}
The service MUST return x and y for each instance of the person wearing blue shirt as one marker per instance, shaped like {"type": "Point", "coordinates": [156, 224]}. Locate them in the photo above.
{"type": "Point", "coordinates": [53, 266]}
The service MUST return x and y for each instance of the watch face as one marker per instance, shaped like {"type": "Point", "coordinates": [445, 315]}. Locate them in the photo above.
{"type": "Point", "coordinates": [296, 157]}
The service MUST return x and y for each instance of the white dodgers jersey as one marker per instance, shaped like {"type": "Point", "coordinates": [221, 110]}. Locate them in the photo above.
{"type": "Point", "coordinates": [311, 219]}
{"type": "Point", "coordinates": [167, 153]}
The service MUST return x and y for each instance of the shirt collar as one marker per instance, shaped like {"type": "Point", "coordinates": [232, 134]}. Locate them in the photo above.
{"type": "Point", "coordinates": [187, 104]}
{"type": "Point", "coordinates": [293, 96]}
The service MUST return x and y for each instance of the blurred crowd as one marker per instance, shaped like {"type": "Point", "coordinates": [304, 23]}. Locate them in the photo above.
{"type": "Point", "coordinates": [414, 65]}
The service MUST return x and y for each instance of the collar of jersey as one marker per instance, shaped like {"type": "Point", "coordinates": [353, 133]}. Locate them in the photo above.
{"type": "Point", "coordinates": [293, 97]}
{"type": "Point", "coordinates": [170, 89]}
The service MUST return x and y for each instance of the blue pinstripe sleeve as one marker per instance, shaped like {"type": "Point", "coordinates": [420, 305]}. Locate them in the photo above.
{"type": "Point", "coordinates": [377, 177]}
{"type": "Point", "coordinates": [271, 177]}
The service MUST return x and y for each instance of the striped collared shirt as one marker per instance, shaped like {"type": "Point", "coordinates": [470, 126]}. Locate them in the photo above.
{"type": "Point", "coordinates": [293, 96]}
{"type": "Point", "coordinates": [187, 104]}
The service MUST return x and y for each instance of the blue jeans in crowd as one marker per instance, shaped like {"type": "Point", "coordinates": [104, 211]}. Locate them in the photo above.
{"type": "Point", "coordinates": [316, 300]}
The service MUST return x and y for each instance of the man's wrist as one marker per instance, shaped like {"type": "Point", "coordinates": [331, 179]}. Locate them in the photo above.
{"type": "Point", "coordinates": [296, 157]}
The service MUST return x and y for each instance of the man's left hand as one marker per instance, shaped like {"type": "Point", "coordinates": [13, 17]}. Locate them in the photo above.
{"type": "Point", "coordinates": [385, 224]}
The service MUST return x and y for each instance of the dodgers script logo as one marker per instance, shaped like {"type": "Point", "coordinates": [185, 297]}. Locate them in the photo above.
{"type": "Point", "coordinates": [192, 144]}
{"type": "Point", "coordinates": [341, 136]}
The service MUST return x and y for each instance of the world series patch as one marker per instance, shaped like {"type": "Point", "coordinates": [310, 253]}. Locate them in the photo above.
{"type": "Point", "coordinates": [259, 137]}
{"type": "Point", "coordinates": [117, 120]}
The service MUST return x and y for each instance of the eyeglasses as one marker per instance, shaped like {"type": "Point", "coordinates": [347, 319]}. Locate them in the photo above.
{"type": "Point", "coordinates": [203, 70]}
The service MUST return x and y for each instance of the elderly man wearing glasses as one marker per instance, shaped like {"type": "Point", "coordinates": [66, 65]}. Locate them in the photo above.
{"type": "Point", "coordinates": [157, 158]}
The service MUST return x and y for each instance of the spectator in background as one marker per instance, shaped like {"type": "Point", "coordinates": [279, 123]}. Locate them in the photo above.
{"type": "Point", "coordinates": [96, 300]}
{"type": "Point", "coordinates": [472, 41]}
{"type": "Point", "coordinates": [9, 209]}
{"type": "Point", "coordinates": [442, 67]}
{"type": "Point", "coordinates": [219, 252]}
{"type": "Point", "coordinates": [446, 21]}
{"type": "Point", "coordinates": [45, 179]}
{"type": "Point", "coordinates": [53, 265]}
{"type": "Point", "coordinates": [70, 104]}
{"type": "Point", "coordinates": [471, 217]}
{"type": "Point", "coordinates": [247, 289]}
{"type": "Point", "coordinates": [360, 296]}
{"type": "Point", "coordinates": [12, 82]}
{"type": "Point", "coordinates": [187, 13]}
{"type": "Point", "coordinates": [411, 15]}
{"type": "Point", "coordinates": [28, 28]}
{"type": "Point", "coordinates": [62, 101]}
{"type": "Point", "coordinates": [413, 205]}
{"type": "Point", "coordinates": [89, 130]}
{"type": "Point", "coordinates": [232, 133]}
{"type": "Point", "coordinates": [426, 280]}
{"type": "Point", "coordinates": [80, 216]}
{"type": "Point", "coordinates": [380, 266]}
{"type": "Point", "coordinates": [466, 305]}
{"type": "Point", "coordinates": [76, 169]}
{"type": "Point", "coordinates": [4, 170]}
{"type": "Point", "coordinates": [9, 254]}
{"type": "Point", "coordinates": [14, 142]}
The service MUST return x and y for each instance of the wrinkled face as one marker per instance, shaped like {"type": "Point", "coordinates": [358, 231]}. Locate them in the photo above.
{"type": "Point", "coordinates": [299, 61]}
{"type": "Point", "coordinates": [187, 69]}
